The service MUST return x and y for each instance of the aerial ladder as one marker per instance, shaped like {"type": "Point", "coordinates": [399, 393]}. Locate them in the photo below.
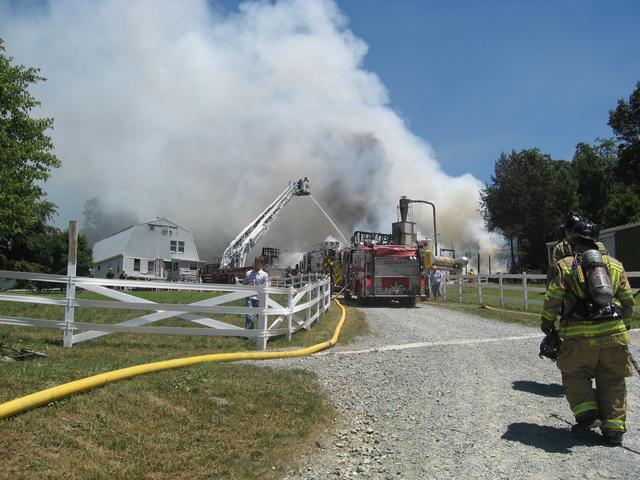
{"type": "Point", "coordinates": [236, 253]}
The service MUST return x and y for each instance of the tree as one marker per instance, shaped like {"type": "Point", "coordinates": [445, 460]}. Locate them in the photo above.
{"type": "Point", "coordinates": [527, 199]}
{"type": "Point", "coordinates": [623, 206]}
{"type": "Point", "coordinates": [624, 120]}
{"type": "Point", "coordinates": [496, 202]}
{"type": "Point", "coordinates": [46, 250]}
{"type": "Point", "coordinates": [26, 157]}
{"type": "Point", "coordinates": [100, 221]}
{"type": "Point", "coordinates": [625, 123]}
{"type": "Point", "coordinates": [592, 167]}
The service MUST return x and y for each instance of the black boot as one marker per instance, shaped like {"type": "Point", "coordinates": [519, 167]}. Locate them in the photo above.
{"type": "Point", "coordinates": [587, 423]}
{"type": "Point", "coordinates": [613, 437]}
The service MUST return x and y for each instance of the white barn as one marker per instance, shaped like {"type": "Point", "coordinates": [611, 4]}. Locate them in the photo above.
{"type": "Point", "coordinates": [158, 249]}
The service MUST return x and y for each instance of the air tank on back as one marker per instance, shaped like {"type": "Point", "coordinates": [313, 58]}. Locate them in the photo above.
{"type": "Point", "coordinates": [597, 276]}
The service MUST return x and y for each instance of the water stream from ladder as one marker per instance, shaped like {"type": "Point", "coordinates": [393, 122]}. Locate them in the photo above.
{"type": "Point", "coordinates": [329, 218]}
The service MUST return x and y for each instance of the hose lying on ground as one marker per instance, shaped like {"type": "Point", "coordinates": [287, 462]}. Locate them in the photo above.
{"type": "Point", "coordinates": [43, 397]}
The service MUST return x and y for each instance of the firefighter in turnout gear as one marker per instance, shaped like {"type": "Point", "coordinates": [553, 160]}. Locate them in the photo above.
{"type": "Point", "coordinates": [593, 293]}
{"type": "Point", "coordinates": [563, 248]}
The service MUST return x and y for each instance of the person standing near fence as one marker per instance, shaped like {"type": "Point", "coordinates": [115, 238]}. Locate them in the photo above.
{"type": "Point", "coordinates": [255, 276]}
{"type": "Point", "coordinates": [471, 276]}
{"type": "Point", "coordinates": [592, 294]}
{"type": "Point", "coordinates": [123, 276]}
{"type": "Point", "coordinates": [435, 281]}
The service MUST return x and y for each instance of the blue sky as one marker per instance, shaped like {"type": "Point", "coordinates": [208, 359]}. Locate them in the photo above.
{"type": "Point", "coordinates": [475, 78]}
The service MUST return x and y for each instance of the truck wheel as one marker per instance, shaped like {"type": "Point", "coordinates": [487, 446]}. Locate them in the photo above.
{"type": "Point", "coordinates": [410, 302]}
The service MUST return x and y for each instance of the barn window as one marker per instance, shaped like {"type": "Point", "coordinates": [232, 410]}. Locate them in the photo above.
{"type": "Point", "coordinates": [172, 246]}
{"type": "Point", "coordinates": [180, 247]}
{"type": "Point", "coordinates": [151, 266]}
{"type": "Point", "coordinates": [152, 228]}
{"type": "Point", "coordinates": [136, 264]}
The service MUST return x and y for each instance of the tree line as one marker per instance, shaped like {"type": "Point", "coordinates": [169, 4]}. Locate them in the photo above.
{"type": "Point", "coordinates": [530, 194]}
{"type": "Point", "coordinates": [27, 241]}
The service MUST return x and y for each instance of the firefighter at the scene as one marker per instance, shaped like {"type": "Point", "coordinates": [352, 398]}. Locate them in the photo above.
{"type": "Point", "coordinates": [329, 269]}
{"type": "Point", "coordinates": [593, 293]}
{"type": "Point", "coordinates": [563, 248]}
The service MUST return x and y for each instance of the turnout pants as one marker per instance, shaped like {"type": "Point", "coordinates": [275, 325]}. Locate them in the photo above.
{"type": "Point", "coordinates": [581, 360]}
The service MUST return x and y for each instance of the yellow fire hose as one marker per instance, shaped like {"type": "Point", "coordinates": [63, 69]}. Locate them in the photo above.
{"type": "Point", "coordinates": [43, 397]}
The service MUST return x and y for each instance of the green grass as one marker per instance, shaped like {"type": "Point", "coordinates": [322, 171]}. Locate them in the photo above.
{"type": "Point", "coordinates": [502, 315]}
{"type": "Point", "coordinates": [512, 310]}
{"type": "Point", "coordinates": [236, 420]}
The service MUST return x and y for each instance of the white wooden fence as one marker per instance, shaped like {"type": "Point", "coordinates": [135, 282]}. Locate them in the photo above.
{"type": "Point", "coordinates": [486, 288]}
{"type": "Point", "coordinates": [302, 305]}
{"type": "Point", "coordinates": [301, 308]}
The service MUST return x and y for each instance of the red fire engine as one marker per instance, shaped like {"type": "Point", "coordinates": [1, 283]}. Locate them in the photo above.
{"type": "Point", "coordinates": [396, 266]}
{"type": "Point", "coordinates": [374, 267]}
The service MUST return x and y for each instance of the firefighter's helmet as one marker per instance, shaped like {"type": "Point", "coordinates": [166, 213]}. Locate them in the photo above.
{"type": "Point", "coordinates": [571, 220]}
{"type": "Point", "coordinates": [583, 228]}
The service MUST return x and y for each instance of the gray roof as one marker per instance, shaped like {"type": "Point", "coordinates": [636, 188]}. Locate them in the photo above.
{"type": "Point", "coordinates": [140, 241]}
{"type": "Point", "coordinates": [620, 227]}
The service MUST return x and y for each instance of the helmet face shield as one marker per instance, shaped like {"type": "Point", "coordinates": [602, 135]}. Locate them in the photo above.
{"type": "Point", "coordinates": [585, 229]}
{"type": "Point", "coordinates": [577, 226]}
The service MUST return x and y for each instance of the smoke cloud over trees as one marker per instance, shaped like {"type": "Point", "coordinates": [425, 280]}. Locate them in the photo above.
{"type": "Point", "coordinates": [181, 110]}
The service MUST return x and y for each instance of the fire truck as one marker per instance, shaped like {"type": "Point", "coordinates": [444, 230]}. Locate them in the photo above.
{"type": "Point", "coordinates": [390, 266]}
{"type": "Point", "coordinates": [374, 267]}
{"type": "Point", "coordinates": [324, 257]}
{"type": "Point", "coordinates": [320, 257]}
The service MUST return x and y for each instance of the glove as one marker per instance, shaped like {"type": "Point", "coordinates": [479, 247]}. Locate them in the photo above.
{"type": "Point", "coordinates": [547, 326]}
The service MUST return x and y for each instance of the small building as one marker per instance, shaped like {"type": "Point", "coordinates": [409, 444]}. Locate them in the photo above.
{"type": "Point", "coordinates": [622, 243]}
{"type": "Point", "coordinates": [153, 250]}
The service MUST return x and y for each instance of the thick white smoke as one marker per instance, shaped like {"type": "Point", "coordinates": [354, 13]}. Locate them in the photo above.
{"type": "Point", "coordinates": [173, 109]}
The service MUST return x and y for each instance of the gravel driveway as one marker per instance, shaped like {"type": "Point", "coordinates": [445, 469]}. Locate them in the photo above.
{"type": "Point", "coordinates": [448, 400]}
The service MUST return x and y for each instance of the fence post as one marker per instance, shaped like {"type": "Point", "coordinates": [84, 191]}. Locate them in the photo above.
{"type": "Point", "coordinates": [479, 288]}
{"type": "Point", "coordinates": [319, 299]}
{"type": "Point", "coordinates": [524, 285]}
{"type": "Point", "coordinates": [308, 325]}
{"type": "Point", "coordinates": [290, 315]}
{"type": "Point", "coordinates": [323, 293]}
{"type": "Point", "coordinates": [261, 340]}
{"type": "Point", "coordinates": [71, 285]}
{"type": "Point", "coordinates": [460, 287]}
{"type": "Point", "coordinates": [501, 292]}
{"type": "Point", "coordinates": [443, 286]}
{"type": "Point", "coordinates": [327, 295]}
